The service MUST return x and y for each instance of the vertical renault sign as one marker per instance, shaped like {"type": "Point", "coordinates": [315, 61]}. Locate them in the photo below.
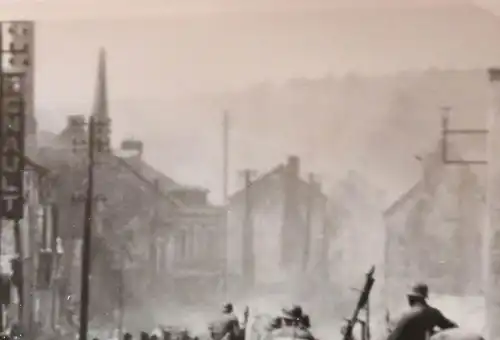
{"type": "Point", "coordinates": [15, 62]}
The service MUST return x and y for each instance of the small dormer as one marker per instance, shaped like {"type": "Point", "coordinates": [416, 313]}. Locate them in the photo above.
{"type": "Point", "coordinates": [132, 145]}
{"type": "Point", "coordinates": [132, 148]}
{"type": "Point", "coordinates": [190, 196]}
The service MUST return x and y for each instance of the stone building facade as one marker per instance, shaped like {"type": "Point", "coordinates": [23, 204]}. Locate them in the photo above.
{"type": "Point", "coordinates": [434, 234]}
{"type": "Point", "coordinates": [284, 217]}
{"type": "Point", "coordinates": [147, 229]}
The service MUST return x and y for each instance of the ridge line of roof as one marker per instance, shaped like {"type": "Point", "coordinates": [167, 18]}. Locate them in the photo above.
{"type": "Point", "coordinates": [265, 175]}
{"type": "Point", "coordinates": [151, 185]}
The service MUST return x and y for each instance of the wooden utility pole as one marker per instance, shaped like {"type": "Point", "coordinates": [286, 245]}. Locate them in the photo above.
{"type": "Point", "coordinates": [121, 296]}
{"type": "Point", "coordinates": [18, 246]}
{"type": "Point", "coordinates": [248, 232]}
{"type": "Point", "coordinates": [97, 142]}
{"type": "Point", "coordinates": [153, 234]}
{"type": "Point", "coordinates": [225, 155]}
{"type": "Point", "coordinates": [225, 184]}
{"type": "Point", "coordinates": [87, 235]}
{"type": "Point", "coordinates": [490, 247]}
{"type": "Point", "coordinates": [57, 252]}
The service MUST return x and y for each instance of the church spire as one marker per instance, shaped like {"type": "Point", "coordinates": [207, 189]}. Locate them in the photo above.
{"type": "Point", "coordinates": [100, 108]}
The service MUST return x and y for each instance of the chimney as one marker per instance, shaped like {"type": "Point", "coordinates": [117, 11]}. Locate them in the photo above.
{"type": "Point", "coordinates": [132, 148]}
{"type": "Point", "coordinates": [131, 152]}
{"type": "Point", "coordinates": [293, 166]}
{"type": "Point", "coordinates": [291, 238]}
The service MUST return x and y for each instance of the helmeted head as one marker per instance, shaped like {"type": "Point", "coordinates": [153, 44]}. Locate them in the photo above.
{"type": "Point", "coordinates": [292, 314]}
{"type": "Point", "coordinates": [418, 293]}
{"type": "Point", "coordinates": [227, 307]}
{"type": "Point", "coordinates": [420, 290]}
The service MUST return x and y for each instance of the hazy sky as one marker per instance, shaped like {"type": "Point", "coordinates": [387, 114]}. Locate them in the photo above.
{"type": "Point", "coordinates": [160, 50]}
{"type": "Point", "coordinates": [72, 9]}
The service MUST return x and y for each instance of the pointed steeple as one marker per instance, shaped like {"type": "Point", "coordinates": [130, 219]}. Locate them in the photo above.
{"type": "Point", "coordinates": [100, 108]}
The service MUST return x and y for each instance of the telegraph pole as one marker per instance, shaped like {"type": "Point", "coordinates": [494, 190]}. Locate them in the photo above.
{"type": "Point", "coordinates": [121, 297]}
{"type": "Point", "coordinates": [248, 232]}
{"type": "Point", "coordinates": [97, 141]}
{"type": "Point", "coordinates": [225, 150]}
{"type": "Point", "coordinates": [87, 234]}
{"type": "Point", "coordinates": [225, 183]}
{"type": "Point", "coordinates": [153, 238]}
{"type": "Point", "coordinates": [57, 251]}
{"type": "Point", "coordinates": [493, 181]}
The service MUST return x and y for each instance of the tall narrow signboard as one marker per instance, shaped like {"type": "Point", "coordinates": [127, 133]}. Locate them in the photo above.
{"type": "Point", "coordinates": [15, 64]}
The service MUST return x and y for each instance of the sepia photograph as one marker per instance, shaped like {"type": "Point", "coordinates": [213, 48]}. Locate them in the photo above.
{"type": "Point", "coordinates": [250, 170]}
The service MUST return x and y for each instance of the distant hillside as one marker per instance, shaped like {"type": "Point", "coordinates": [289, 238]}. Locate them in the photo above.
{"type": "Point", "coordinates": [376, 125]}
{"type": "Point", "coordinates": [319, 117]}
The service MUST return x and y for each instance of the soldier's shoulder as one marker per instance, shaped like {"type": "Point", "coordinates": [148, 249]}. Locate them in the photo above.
{"type": "Point", "coordinates": [409, 314]}
{"type": "Point", "coordinates": [230, 318]}
{"type": "Point", "coordinates": [433, 309]}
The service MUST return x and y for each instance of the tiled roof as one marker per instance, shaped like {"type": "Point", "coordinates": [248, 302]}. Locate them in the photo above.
{"type": "Point", "coordinates": [126, 191]}
{"type": "Point", "coordinates": [262, 183]}
{"type": "Point", "coordinates": [259, 183]}
{"type": "Point", "coordinates": [150, 173]}
{"type": "Point", "coordinates": [432, 163]}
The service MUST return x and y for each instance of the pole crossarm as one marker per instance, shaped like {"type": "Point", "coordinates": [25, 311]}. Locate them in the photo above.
{"type": "Point", "coordinates": [466, 132]}
{"type": "Point", "coordinates": [446, 131]}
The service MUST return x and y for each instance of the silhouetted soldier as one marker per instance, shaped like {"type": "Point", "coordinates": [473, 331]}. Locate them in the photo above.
{"type": "Point", "coordinates": [421, 320]}
{"type": "Point", "coordinates": [144, 336]}
{"type": "Point", "coordinates": [292, 326]}
{"type": "Point", "coordinates": [167, 335]}
{"type": "Point", "coordinates": [127, 336]}
{"type": "Point", "coordinates": [299, 318]}
{"type": "Point", "coordinates": [226, 326]}
{"type": "Point", "coordinates": [444, 323]}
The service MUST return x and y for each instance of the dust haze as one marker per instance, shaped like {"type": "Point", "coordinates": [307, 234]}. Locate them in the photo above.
{"type": "Point", "coordinates": [334, 108]}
